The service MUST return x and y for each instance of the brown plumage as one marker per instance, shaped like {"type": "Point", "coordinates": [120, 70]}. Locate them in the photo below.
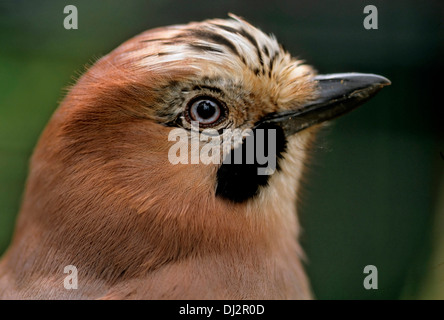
{"type": "Point", "coordinates": [101, 194]}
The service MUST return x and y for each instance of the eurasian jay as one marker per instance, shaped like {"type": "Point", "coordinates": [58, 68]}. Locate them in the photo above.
{"type": "Point", "coordinates": [103, 196]}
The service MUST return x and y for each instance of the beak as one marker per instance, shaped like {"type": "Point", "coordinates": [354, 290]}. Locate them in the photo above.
{"type": "Point", "coordinates": [338, 94]}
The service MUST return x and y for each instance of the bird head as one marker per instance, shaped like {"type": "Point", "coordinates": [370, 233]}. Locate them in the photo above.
{"type": "Point", "coordinates": [102, 192]}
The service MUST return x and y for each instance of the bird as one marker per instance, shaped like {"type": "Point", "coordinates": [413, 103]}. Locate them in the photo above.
{"type": "Point", "coordinates": [102, 196]}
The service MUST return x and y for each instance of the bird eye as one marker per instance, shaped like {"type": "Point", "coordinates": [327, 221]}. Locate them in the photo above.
{"type": "Point", "coordinates": [207, 111]}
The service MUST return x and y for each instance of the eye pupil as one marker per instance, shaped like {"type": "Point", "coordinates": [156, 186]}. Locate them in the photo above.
{"type": "Point", "coordinates": [206, 109]}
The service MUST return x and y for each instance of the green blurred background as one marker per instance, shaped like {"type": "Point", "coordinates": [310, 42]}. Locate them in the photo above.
{"type": "Point", "coordinates": [375, 193]}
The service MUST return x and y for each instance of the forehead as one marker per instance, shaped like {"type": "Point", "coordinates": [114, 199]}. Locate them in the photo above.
{"type": "Point", "coordinates": [229, 49]}
{"type": "Point", "coordinates": [231, 43]}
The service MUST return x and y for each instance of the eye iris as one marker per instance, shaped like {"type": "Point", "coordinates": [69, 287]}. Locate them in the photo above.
{"type": "Point", "coordinates": [206, 109]}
